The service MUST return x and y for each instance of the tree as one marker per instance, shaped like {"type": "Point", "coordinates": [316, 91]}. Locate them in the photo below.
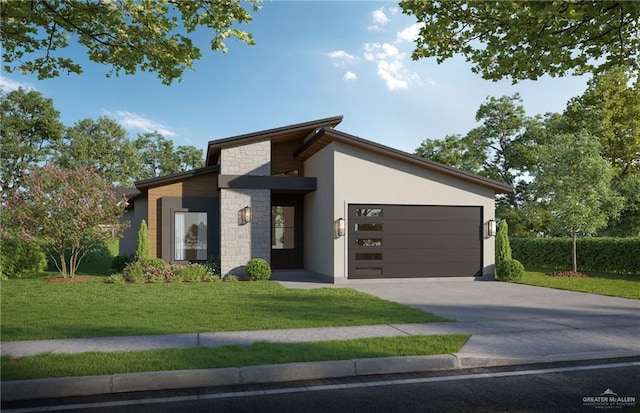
{"type": "Point", "coordinates": [142, 248]}
{"type": "Point", "coordinates": [575, 183]}
{"type": "Point", "coordinates": [129, 35]}
{"type": "Point", "coordinates": [104, 145]}
{"type": "Point", "coordinates": [30, 128]}
{"type": "Point", "coordinates": [499, 149]}
{"type": "Point", "coordinates": [159, 157]}
{"type": "Point", "coordinates": [453, 150]}
{"type": "Point", "coordinates": [72, 211]}
{"type": "Point", "coordinates": [610, 110]}
{"type": "Point", "coordinates": [528, 39]}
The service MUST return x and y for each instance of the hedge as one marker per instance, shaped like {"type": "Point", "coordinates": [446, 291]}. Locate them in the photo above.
{"type": "Point", "coordinates": [613, 255]}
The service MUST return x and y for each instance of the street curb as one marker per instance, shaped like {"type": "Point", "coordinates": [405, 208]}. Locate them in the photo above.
{"type": "Point", "coordinates": [182, 379]}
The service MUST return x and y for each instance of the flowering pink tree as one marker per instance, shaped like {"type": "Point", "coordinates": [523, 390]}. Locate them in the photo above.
{"type": "Point", "coordinates": [73, 211]}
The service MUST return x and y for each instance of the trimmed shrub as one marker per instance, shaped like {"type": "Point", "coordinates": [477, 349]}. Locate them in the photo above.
{"type": "Point", "coordinates": [118, 263]}
{"type": "Point", "coordinates": [612, 255]}
{"type": "Point", "coordinates": [509, 270]}
{"type": "Point", "coordinates": [143, 252]}
{"type": "Point", "coordinates": [257, 269]}
{"type": "Point", "coordinates": [503, 249]}
{"type": "Point", "coordinates": [18, 258]}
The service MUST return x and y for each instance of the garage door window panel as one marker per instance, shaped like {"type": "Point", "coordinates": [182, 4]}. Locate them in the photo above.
{"type": "Point", "coordinates": [369, 212]}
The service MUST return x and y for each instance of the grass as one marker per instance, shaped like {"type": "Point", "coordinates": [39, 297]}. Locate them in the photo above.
{"type": "Point", "coordinates": [616, 285]}
{"type": "Point", "coordinates": [87, 364]}
{"type": "Point", "coordinates": [32, 309]}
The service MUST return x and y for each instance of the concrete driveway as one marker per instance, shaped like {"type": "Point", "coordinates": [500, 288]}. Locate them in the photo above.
{"type": "Point", "coordinates": [519, 320]}
{"type": "Point", "coordinates": [513, 320]}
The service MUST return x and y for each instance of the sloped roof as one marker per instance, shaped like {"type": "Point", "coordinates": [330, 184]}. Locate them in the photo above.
{"type": "Point", "coordinates": [167, 179]}
{"type": "Point", "coordinates": [323, 137]}
{"type": "Point", "coordinates": [276, 135]}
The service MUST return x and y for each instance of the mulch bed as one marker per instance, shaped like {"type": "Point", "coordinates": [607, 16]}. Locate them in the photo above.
{"type": "Point", "coordinates": [67, 280]}
{"type": "Point", "coordinates": [568, 274]}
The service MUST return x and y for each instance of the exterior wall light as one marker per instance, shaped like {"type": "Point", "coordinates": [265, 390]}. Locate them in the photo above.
{"type": "Point", "coordinates": [491, 228]}
{"type": "Point", "coordinates": [246, 214]}
{"type": "Point", "coordinates": [339, 227]}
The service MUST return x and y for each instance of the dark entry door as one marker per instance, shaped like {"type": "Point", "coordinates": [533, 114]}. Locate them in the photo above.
{"type": "Point", "coordinates": [406, 241]}
{"type": "Point", "coordinates": [287, 237]}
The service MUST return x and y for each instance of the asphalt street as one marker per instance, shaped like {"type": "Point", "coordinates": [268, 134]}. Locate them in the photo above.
{"type": "Point", "coordinates": [613, 385]}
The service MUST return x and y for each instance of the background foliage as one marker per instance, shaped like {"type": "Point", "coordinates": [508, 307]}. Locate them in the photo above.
{"type": "Point", "coordinates": [612, 255]}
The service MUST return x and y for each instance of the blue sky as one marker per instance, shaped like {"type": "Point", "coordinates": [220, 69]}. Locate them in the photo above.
{"type": "Point", "coordinates": [311, 60]}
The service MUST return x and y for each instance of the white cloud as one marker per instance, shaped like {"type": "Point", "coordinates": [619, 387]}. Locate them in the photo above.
{"type": "Point", "coordinates": [379, 18]}
{"type": "Point", "coordinates": [11, 85]}
{"type": "Point", "coordinates": [389, 65]}
{"type": "Point", "coordinates": [391, 73]}
{"type": "Point", "coordinates": [350, 76]}
{"type": "Point", "coordinates": [410, 33]}
{"type": "Point", "coordinates": [340, 58]}
{"type": "Point", "coordinates": [130, 120]}
{"type": "Point", "coordinates": [393, 10]}
{"type": "Point", "coordinates": [373, 51]}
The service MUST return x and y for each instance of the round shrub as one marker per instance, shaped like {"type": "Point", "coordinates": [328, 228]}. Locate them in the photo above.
{"type": "Point", "coordinates": [509, 270]}
{"type": "Point", "coordinates": [257, 269]}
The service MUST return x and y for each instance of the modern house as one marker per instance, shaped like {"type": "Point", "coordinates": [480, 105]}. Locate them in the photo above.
{"type": "Point", "coordinates": [308, 196]}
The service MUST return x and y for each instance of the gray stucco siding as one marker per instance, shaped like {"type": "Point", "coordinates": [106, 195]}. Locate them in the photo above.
{"type": "Point", "coordinates": [364, 177]}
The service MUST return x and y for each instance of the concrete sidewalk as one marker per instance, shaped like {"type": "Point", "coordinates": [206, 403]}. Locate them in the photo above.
{"type": "Point", "coordinates": [509, 323]}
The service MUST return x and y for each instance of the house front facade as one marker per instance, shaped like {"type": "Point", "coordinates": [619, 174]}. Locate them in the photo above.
{"type": "Point", "coordinates": [308, 196]}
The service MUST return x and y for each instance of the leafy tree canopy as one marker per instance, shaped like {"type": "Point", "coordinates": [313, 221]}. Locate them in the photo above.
{"type": "Point", "coordinates": [129, 35]}
{"type": "Point", "coordinates": [500, 148]}
{"type": "Point", "coordinates": [528, 39]}
{"type": "Point", "coordinates": [159, 156]}
{"type": "Point", "coordinates": [104, 145]}
{"type": "Point", "coordinates": [30, 126]}
{"type": "Point", "coordinates": [610, 110]}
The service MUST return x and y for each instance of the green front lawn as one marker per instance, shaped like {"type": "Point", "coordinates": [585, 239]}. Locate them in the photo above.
{"type": "Point", "coordinates": [88, 364]}
{"type": "Point", "coordinates": [33, 309]}
{"type": "Point", "coordinates": [617, 285]}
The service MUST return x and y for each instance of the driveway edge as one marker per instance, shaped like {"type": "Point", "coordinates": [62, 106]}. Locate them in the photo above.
{"type": "Point", "coordinates": [181, 379]}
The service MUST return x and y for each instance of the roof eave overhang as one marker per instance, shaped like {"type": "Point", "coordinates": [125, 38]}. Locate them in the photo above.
{"type": "Point", "coordinates": [214, 146]}
{"type": "Point", "coordinates": [144, 185]}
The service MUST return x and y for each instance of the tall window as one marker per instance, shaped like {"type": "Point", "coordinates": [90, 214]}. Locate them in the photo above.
{"type": "Point", "coordinates": [190, 236]}
{"type": "Point", "coordinates": [282, 227]}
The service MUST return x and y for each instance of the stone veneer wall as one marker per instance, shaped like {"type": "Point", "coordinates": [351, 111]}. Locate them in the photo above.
{"type": "Point", "coordinates": [241, 242]}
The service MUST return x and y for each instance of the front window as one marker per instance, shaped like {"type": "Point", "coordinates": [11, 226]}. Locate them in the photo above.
{"type": "Point", "coordinates": [190, 236]}
{"type": "Point", "coordinates": [282, 227]}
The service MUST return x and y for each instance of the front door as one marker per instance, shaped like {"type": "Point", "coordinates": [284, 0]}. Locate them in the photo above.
{"type": "Point", "coordinates": [287, 221]}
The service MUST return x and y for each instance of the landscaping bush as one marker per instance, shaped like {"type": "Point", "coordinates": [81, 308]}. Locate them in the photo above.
{"type": "Point", "coordinates": [151, 270]}
{"type": "Point", "coordinates": [18, 258]}
{"type": "Point", "coordinates": [194, 273]}
{"type": "Point", "coordinates": [115, 279]}
{"type": "Point", "coordinates": [612, 255]}
{"type": "Point", "coordinates": [257, 269]}
{"type": "Point", "coordinates": [119, 262]}
{"type": "Point", "coordinates": [503, 249]}
{"type": "Point", "coordinates": [509, 270]}
{"type": "Point", "coordinates": [143, 252]}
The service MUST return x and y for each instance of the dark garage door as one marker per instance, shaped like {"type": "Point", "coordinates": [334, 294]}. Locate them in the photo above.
{"type": "Point", "coordinates": [409, 241]}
